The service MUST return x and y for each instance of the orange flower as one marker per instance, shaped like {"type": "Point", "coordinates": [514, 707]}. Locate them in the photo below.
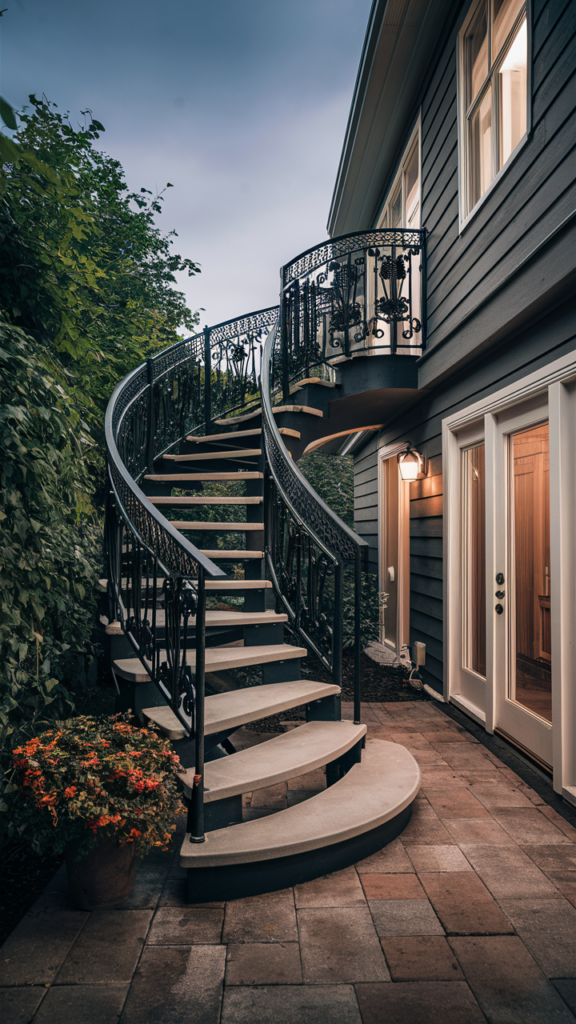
{"type": "Point", "coordinates": [69, 792]}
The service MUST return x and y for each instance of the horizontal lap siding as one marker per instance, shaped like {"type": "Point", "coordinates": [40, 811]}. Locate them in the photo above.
{"type": "Point", "coordinates": [426, 572]}
{"type": "Point", "coordinates": [366, 500]}
{"type": "Point", "coordinates": [533, 197]}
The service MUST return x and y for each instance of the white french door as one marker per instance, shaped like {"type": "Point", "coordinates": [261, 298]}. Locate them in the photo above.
{"type": "Point", "coordinates": [518, 579]}
{"type": "Point", "coordinates": [394, 555]}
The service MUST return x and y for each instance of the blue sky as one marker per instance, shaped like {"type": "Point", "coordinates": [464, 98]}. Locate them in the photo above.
{"type": "Point", "coordinates": [241, 104]}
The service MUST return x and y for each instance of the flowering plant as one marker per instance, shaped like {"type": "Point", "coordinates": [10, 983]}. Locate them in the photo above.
{"type": "Point", "coordinates": [95, 777]}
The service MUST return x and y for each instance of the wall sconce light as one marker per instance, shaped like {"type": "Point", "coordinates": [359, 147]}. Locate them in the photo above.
{"type": "Point", "coordinates": [413, 465]}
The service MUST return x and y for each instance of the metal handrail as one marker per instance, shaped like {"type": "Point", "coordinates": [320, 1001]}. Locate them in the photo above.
{"type": "Point", "coordinates": [330, 533]}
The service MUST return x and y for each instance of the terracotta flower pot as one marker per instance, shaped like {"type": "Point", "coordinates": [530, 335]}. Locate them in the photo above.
{"type": "Point", "coordinates": [103, 877]}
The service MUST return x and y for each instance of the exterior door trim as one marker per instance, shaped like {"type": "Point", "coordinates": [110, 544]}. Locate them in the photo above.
{"type": "Point", "coordinates": [559, 380]}
{"type": "Point", "coordinates": [388, 452]}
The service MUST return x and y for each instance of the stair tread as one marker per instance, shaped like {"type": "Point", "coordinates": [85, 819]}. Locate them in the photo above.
{"type": "Point", "coordinates": [215, 618]}
{"type": "Point", "coordinates": [169, 477]}
{"type": "Point", "coordinates": [225, 527]}
{"type": "Point", "coordinates": [217, 659]}
{"type": "Point", "coordinates": [284, 757]}
{"type": "Point", "coordinates": [233, 453]}
{"type": "Point", "coordinates": [233, 434]}
{"type": "Point", "coordinates": [209, 500]}
{"type": "Point", "coordinates": [224, 584]}
{"type": "Point", "coordinates": [215, 553]}
{"type": "Point", "coordinates": [371, 793]}
{"type": "Point", "coordinates": [227, 711]}
{"type": "Point", "coordinates": [276, 409]}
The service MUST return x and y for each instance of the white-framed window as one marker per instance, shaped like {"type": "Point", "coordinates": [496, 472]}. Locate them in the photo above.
{"type": "Point", "coordinates": [493, 75]}
{"type": "Point", "coordinates": [402, 206]}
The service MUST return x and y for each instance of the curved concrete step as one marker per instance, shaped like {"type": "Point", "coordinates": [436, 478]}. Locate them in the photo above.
{"type": "Point", "coordinates": [284, 757]}
{"type": "Point", "coordinates": [225, 712]}
{"type": "Point", "coordinates": [217, 659]}
{"type": "Point", "coordinates": [370, 794]}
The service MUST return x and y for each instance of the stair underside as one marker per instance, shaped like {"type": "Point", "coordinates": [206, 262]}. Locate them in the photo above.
{"type": "Point", "coordinates": [370, 794]}
{"type": "Point", "coordinates": [285, 757]}
{"type": "Point", "coordinates": [225, 712]}
{"type": "Point", "coordinates": [219, 477]}
{"type": "Point", "coordinates": [217, 658]}
{"type": "Point", "coordinates": [237, 453]}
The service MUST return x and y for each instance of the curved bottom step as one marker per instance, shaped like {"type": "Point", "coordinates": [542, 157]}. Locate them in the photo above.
{"type": "Point", "coordinates": [349, 821]}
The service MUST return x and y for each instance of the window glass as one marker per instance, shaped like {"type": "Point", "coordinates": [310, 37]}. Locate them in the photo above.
{"type": "Point", "coordinates": [512, 94]}
{"type": "Point", "coordinates": [476, 54]}
{"type": "Point", "coordinates": [480, 148]}
{"type": "Point", "coordinates": [504, 14]}
{"type": "Point", "coordinates": [474, 559]}
{"type": "Point", "coordinates": [412, 190]}
{"type": "Point", "coordinates": [402, 208]}
{"type": "Point", "coordinates": [395, 210]}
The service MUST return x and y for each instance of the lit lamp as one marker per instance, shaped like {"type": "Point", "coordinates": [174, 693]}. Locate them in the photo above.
{"type": "Point", "coordinates": [412, 465]}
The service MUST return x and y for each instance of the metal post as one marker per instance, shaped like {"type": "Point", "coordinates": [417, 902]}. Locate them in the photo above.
{"type": "Point", "coordinates": [338, 634]}
{"type": "Point", "coordinates": [423, 287]}
{"type": "Point", "coordinates": [207, 381]}
{"type": "Point", "coordinates": [150, 425]}
{"type": "Point", "coordinates": [357, 644]}
{"type": "Point", "coordinates": [197, 794]}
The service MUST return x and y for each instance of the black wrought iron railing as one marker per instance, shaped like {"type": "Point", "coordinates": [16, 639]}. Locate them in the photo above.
{"type": "Point", "coordinates": [358, 294]}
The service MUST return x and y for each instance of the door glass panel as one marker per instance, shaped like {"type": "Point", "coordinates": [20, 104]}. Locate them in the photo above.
{"type": "Point", "coordinates": [530, 676]}
{"type": "Point", "coordinates": [474, 559]}
{"type": "Point", "coordinates": [391, 553]}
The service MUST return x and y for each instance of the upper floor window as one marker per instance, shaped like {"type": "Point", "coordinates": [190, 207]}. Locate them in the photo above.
{"type": "Point", "coordinates": [493, 91]}
{"type": "Point", "coordinates": [402, 207]}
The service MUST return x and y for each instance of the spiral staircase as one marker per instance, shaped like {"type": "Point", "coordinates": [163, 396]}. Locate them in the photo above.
{"type": "Point", "coordinates": [224, 566]}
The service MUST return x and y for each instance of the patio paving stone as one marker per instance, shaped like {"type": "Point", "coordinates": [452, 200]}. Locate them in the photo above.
{"type": "Point", "coordinates": [186, 926]}
{"type": "Point", "coordinates": [272, 796]}
{"type": "Point", "coordinates": [567, 989]}
{"type": "Point", "coordinates": [339, 944]}
{"type": "Point", "coordinates": [498, 796]}
{"type": "Point", "coordinates": [455, 802]}
{"type": "Point", "coordinates": [463, 904]}
{"type": "Point", "coordinates": [309, 1004]}
{"type": "Point", "coordinates": [565, 882]}
{"type": "Point", "coordinates": [264, 963]}
{"type": "Point", "coordinates": [176, 985]}
{"type": "Point", "coordinates": [108, 947]}
{"type": "Point", "coordinates": [552, 858]}
{"type": "Point", "coordinates": [392, 887]}
{"type": "Point", "coordinates": [341, 889]}
{"type": "Point", "coordinates": [477, 830]}
{"type": "Point", "coordinates": [548, 929]}
{"type": "Point", "coordinates": [508, 872]}
{"type": "Point", "coordinates": [405, 917]}
{"type": "Point", "coordinates": [507, 983]}
{"type": "Point", "coordinates": [268, 918]}
{"type": "Point", "coordinates": [315, 780]}
{"type": "Point", "coordinates": [392, 858]}
{"type": "Point", "coordinates": [463, 755]}
{"type": "Point", "coordinates": [434, 776]}
{"type": "Point", "coordinates": [426, 830]}
{"type": "Point", "coordinates": [82, 1004]}
{"type": "Point", "coordinates": [529, 827]}
{"type": "Point", "coordinates": [560, 822]}
{"type": "Point", "coordinates": [437, 858]}
{"type": "Point", "coordinates": [421, 958]}
{"type": "Point", "coordinates": [38, 946]}
{"type": "Point", "coordinates": [432, 1002]}
{"type": "Point", "coordinates": [18, 1005]}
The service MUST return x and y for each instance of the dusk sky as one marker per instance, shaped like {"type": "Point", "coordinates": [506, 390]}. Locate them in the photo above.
{"type": "Point", "coordinates": [241, 104]}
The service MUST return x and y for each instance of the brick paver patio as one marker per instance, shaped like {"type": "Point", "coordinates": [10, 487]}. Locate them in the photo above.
{"type": "Point", "coordinates": [468, 917]}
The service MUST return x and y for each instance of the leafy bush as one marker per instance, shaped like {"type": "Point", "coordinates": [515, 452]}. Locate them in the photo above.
{"type": "Point", "coordinates": [49, 543]}
{"type": "Point", "coordinates": [89, 778]}
{"type": "Point", "coordinates": [332, 477]}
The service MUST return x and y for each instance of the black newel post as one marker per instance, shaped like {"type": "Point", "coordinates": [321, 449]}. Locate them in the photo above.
{"type": "Point", "coordinates": [207, 381]}
{"type": "Point", "coordinates": [197, 794]}
{"type": "Point", "coordinates": [357, 645]}
{"type": "Point", "coordinates": [338, 635]}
